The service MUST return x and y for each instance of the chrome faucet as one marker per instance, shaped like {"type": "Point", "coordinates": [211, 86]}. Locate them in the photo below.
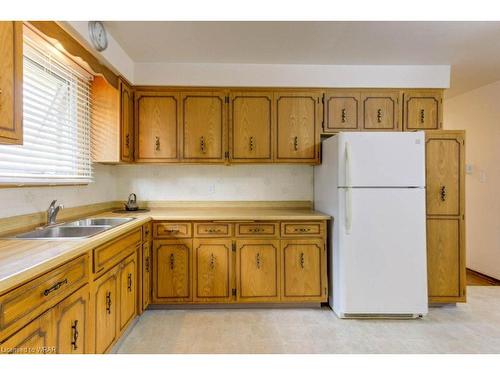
{"type": "Point", "coordinates": [52, 212]}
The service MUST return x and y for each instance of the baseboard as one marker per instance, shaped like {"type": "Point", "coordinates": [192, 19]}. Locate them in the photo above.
{"type": "Point", "coordinates": [490, 279]}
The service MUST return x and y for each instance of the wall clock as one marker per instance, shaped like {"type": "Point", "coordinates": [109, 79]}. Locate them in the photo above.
{"type": "Point", "coordinates": [98, 35]}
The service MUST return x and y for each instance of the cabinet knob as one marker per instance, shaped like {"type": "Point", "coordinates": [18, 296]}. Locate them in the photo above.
{"type": "Point", "coordinates": [157, 143]}
{"type": "Point", "coordinates": [343, 115]}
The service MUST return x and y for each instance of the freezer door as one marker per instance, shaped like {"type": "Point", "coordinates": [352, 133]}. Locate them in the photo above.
{"type": "Point", "coordinates": [382, 258]}
{"type": "Point", "coordinates": [389, 159]}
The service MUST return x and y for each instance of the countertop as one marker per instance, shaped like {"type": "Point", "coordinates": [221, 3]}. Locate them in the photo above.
{"type": "Point", "coordinates": [21, 260]}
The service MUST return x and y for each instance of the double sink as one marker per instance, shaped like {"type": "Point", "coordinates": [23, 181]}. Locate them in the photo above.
{"type": "Point", "coordinates": [77, 229]}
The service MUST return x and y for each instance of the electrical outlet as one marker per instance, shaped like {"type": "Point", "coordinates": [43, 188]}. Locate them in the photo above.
{"type": "Point", "coordinates": [469, 169]}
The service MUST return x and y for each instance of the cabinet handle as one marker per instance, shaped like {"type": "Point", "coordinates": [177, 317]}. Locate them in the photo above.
{"type": "Point", "coordinates": [147, 264]}
{"type": "Point", "coordinates": [252, 143]}
{"type": "Point", "coordinates": [213, 230]}
{"type": "Point", "coordinates": [258, 261]}
{"type": "Point", "coordinates": [74, 330]}
{"type": "Point", "coordinates": [343, 115]}
{"type": "Point", "coordinates": [172, 261]}
{"type": "Point", "coordinates": [443, 193]}
{"type": "Point", "coordinates": [129, 282]}
{"type": "Point", "coordinates": [256, 230]}
{"type": "Point", "coordinates": [302, 260]}
{"type": "Point", "coordinates": [296, 143]}
{"type": "Point", "coordinates": [157, 143]}
{"type": "Point", "coordinates": [173, 230]}
{"type": "Point", "coordinates": [54, 287]}
{"type": "Point", "coordinates": [379, 115]}
{"type": "Point", "coordinates": [108, 303]}
{"type": "Point", "coordinates": [202, 144]}
{"type": "Point", "coordinates": [302, 230]}
{"type": "Point", "coordinates": [127, 140]}
{"type": "Point", "coordinates": [212, 262]}
{"type": "Point", "coordinates": [422, 116]}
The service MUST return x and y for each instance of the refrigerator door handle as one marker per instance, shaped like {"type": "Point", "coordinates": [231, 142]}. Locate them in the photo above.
{"type": "Point", "coordinates": [347, 164]}
{"type": "Point", "coordinates": [348, 210]}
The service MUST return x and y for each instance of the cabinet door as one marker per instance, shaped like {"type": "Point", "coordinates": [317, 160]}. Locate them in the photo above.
{"type": "Point", "coordinates": [35, 338]}
{"type": "Point", "coordinates": [251, 127]}
{"type": "Point", "coordinates": [257, 264]}
{"type": "Point", "coordinates": [212, 269]}
{"type": "Point", "coordinates": [172, 270]}
{"type": "Point", "coordinates": [298, 124]}
{"type": "Point", "coordinates": [303, 270]}
{"type": "Point", "coordinates": [71, 323]}
{"type": "Point", "coordinates": [445, 259]}
{"type": "Point", "coordinates": [106, 304]}
{"type": "Point", "coordinates": [146, 275]}
{"type": "Point", "coordinates": [203, 126]}
{"type": "Point", "coordinates": [444, 173]}
{"type": "Point", "coordinates": [342, 111]}
{"type": "Point", "coordinates": [423, 110]}
{"type": "Point", "coordinates": [11, 82]}
{"type": "Point", "coordinates": [380, 110]}
{"type": "Point", "coordinates": [157, 127]}
{"type": "Point", "coordinates": [128, 290]}
{"type": "Point", "coordinates": [126, 121]}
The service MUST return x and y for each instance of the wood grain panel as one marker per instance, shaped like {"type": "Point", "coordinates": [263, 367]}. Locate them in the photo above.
{"type": "Point", "coordinates": [423, 110]}
{"type": "Point", "coordinates": [128, 290]}
{"type": "Point", "coordinates": [342, 111]}
{"type": "Point", "coordinates": [380, 110]}
{"type": "Point", "coordinates": [106, 311]}
{"type": "Point", "coordinates": [126, 121]}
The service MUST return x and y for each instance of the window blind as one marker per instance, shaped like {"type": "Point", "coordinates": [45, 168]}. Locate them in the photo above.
{"type": "Point", "coordinates": [56, 121]}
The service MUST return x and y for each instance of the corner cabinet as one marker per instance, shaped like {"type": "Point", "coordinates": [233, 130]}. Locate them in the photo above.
{"type": "Point", "coordinates": [11, 82]}
{"type": "Point", "coordinates": [445, 180]}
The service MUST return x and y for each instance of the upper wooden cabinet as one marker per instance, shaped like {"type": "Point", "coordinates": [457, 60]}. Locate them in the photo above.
{"type": "Point", "coordinates": [204, 127]}
{"type": "Point", "coordinates": [126, 121]}
{"type": "Point", "coordinates": [298, 119]}
{"type": "Point", "coordinates": [423, 109]}
{"type": "Point", "coordinates": [11, 82]}
{"type": "Point", "coordinates": [251, 127]}
{"type": "Point", "coordinates": [380, 110]}
{"type": "Point", "coordinates": [157, 127]}
{"type": "Point", "coordinates": [342, 111]}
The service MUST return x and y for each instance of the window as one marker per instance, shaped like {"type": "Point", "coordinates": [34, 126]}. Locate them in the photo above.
{"type": "Point", "coordinates": [56, 120]}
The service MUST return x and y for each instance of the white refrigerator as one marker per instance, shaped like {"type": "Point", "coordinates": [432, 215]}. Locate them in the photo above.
{"type": "Point", "coordinates": [373, 186]}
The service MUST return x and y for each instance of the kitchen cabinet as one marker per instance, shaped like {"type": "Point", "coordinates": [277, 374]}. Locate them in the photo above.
{"type": "Point", "coordinates": [212, 269]}
{"type": "Point", "coordinates": [251, 130]}
{"type": "Point", "coordinates": [157, 126]}
{"type": "Point", "coordinates": [303, 269]}
{"type": "Point", "coordinates": [380, 110]}
{"type": "Point", "coordinates": [11, 82]}
{"type": "Point", "coordinates": [126, 121]}
{"type": "Point", "coordinates": [128, 290]}
{"type": "Point", "coordinates": [423, 109]}
{"type": "Point", "coordinates": [298, 118]}
{"type": "Point", "coordinates": [146, 275]}
{"type": "Point", "coordinates": [343, 111]}
{"type": "Point", "coordinates": [445, 194]}
{"type": "Point", "coordinates": [172, 270]}
{"type": "Point", "coordinates": [105, 310]}
{"type": "Point", "coordinates": [204, 118]}
{"type": "Point", "coordinates": [258, 270]}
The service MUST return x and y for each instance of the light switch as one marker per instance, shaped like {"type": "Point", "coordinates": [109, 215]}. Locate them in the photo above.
{"type": "Point", "coordinates": [469, 169]}
{"type": "Point", "coordinates": [482, 176]}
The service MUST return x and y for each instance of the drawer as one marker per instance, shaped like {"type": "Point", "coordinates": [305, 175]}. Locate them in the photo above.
{"type": "Point", "coordinates": [21, 305]}
{"type": "Point", "coordinates": [302, 229]}
{"type": "Point", "coordinates": [256, 229]}
{"type": "Point", "coordinates": [146, 232]}
{"type": "Point", "coordinates": [177, 230]}
{"type": "Point", "coordinates": [212, 230]}
{"type": "Point", "coordinates": [107, 255]}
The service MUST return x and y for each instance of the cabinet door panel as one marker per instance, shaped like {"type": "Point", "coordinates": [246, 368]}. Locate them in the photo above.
{"type": "Point", "coordinates": [172, 270]}
{"type": "Point", "coordinates": [380, 111]}
{"type": "Point", "coordinates": [72, 323]}
{"type": "Point", "coordinates": [11, 82]}
{"type": "Point", "coordinates": [203, 124]}
{"type": "Point", "coordinates": [212, 259]}
{"type": "Point", "coordinates": [251, 127]}
{"type": "Point", "coordinates": [106, 305]}
{"type": "Point", "coordinates": [258, 270]}
{"type": "Point", "coordinates": [157, 127]}
{"type": "Point", "coordinates": [422, 110]}
{"type": "Point", "coordinates": [128, 290]}
{"type": "Point", "coordinates": [443, 175]}
{"type": "Point", "coordinates": [297, 127]}
{"type": "Point", "coordinates": [444, 242]}
{"type": "Point", "coordinates": [126, 121]}
{"type": "Point", "coordinates": [342, 111]}
{"type": "Point", "coordinates": [303, 269]}
{"type": "Point", "coordinates": [146, 275]}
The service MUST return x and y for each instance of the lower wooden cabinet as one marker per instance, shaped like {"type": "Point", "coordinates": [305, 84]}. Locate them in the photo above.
{"type": "Point", "coordinates": [105, 311]}
{"type": "Point", "coordinates": [258, 270]}
{"type": "Point", "coordinates": [128, 290]}
{"type": "Point", "coordinates": [303, 270]}
{"type": "Point", "coordinates": [146, 275]}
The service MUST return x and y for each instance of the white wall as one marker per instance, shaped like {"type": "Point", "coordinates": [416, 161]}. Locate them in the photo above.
{"type": "Point", "coordinates": [214, 182]}
{"type": "Point", "coordinates": [478, 112]}
{"type": "Point", "coordinates": [19, 201]}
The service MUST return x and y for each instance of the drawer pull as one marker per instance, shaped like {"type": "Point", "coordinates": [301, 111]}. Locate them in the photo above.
{"type": "Point", "coordinates": [55, 287]}
{"type": "Point", "coordinates": [157, 144]}
{"type": "Point", "coordinates": [214, 230]}
{"type": "Point", "coordinates": [296, 143]}
{"type": "Point", "coordinates": [258, 261]}
{"type": "Point", "coordinates": [422, 116]}
{"type": "Point", "coordinates": [129, 282]}
{"type": "Point", "coordinates": [256, 230]}
{"type": "Point", "coordinates": [147, 264]}
{"type": "Point", "coordinates": [442, 193]}
{"type": "Point", "coordinates": [343, 115]}
{"type": "Point", "coordinates": [212, 262]}
{"type": "Point", "coordinates": [108, 303]}
{"type": "Point", "coordinates": [127, 141]}
{"type": "Point", "coordinates": [302, 260]}
{"type": "Point", "coordinates": [302, 230]}
{"type": "Point", "coordinates": [172, 261]}
{"type": "Point", "coordinates": [74, 330]}
{"type": "Point", "coordinates": [379, 115]}
{"type": "Point", "coordinates": [252, 143]}
{"type": "Point", "coordinates": [202, 144]}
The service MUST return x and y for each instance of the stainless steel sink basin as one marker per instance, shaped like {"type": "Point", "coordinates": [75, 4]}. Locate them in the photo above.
{"type": "Point", "coordinates": [98, 221]}
{"type": "Point", "coordinates": [64, 232]}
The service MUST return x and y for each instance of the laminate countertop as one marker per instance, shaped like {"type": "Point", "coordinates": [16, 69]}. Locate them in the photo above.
{"type": "Point", "coordinates": [23, 259]}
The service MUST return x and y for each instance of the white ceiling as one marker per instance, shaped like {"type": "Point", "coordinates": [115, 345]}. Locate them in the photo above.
{"type": "Point", "coordinates": [471, 48]}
